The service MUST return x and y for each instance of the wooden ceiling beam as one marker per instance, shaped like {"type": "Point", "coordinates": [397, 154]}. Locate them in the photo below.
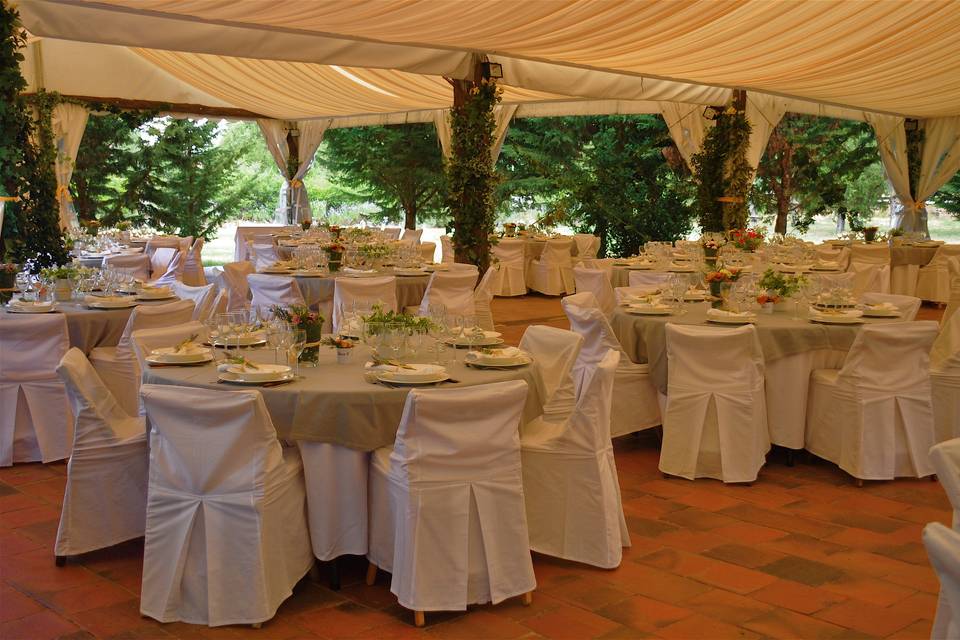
{"type": "Point", "coordinates": [169, 107]}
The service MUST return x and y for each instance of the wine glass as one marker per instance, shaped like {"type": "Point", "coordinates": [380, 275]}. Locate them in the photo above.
{"type": "Point", "coordinates": [298, 342]}
{"type": "Point", "coordinates": [275, 331]}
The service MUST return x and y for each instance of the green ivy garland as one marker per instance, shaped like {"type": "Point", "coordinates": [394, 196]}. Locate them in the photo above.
{"type": "Point", "coordinates": [31, 230]}
{"type": "Point", "coordinates": [471, 176]}
{"type": "Point", "coordinates": [723, 174]}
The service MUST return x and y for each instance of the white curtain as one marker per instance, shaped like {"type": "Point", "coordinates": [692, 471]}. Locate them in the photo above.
{"type": "Point", "coordinates": [502, 115]}
{"type": "Point", "coordinates": [687, 127]}
{"type": "Point", "coordinates": [892, 143]}
{"type": "Point", "coordinates": [763, 112]}
{"type": "Point", "coordinates": [309, 136]}
{"type": "Point", "coordinates": [441, 121]}
{"type": "Point", "coordinates": [941, 155]}
{"type": "Point", "coordinates": [69, 122]}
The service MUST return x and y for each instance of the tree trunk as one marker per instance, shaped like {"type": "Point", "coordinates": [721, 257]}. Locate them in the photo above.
{"type": "Point", "coordinates": [293, 160]}
{"type": "Point", "coordinates": [410, 215]}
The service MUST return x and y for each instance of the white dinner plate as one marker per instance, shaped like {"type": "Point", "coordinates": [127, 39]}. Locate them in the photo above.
{"type": "Point", "coordinates": [409, 272]}
{"type": "Point", "coordinates": [232, 378]}
{"type": "Point", "coordinates": [33, 308]}
{"type": "Point", "coordinates": [119, 304]}
{"type": "Point", "coordinates": [640, 267]}
{"type": "Point", "coordinates": [881, 313]}
{"type": "Point", "coordinates": [308, 273]}
{"type": "Point", "coordinates": [391, 378]}
{"type": "Point", "coordinates": [681, 269]}
{"type": "Point", "coordinates": [263, 373]}
{"type": "Point", "coordinates": [168, 355]}
{"type": "Point", "coordinates": [276, 271]}
{"type": "Point", "coordinates": [249, 340]}
{"type": "Point", "coordinates": [649, 311]}
{"type": "Point", "coordinates": [750, 320]}
{"type": "Point", "coordinates": [498, 363]}
{"type": "Point", "coordinates": [148, 298]}
{"type": "Point", "coordinates": [838, 319]}
{"type": "Point", "coordinates": [695, 297]}
{"type": "Point", "coordinates": [482, 342]}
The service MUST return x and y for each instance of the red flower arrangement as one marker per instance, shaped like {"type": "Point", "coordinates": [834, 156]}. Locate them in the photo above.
{"type": "Point", "coordinates": [747, 239]}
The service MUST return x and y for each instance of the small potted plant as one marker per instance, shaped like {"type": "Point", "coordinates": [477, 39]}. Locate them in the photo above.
{"type": "Point", "coordinates": [334, 252]}
{"type": "Point", "coordinates": [63, 279]}
{"type": "Point", "coordinates": [721, 281]}
{"type": "Point", "coordinates": [767, 302]}
{"type": "Point", "coordinates": [302, 318]}
{"type": "Point", "coordinates": [896, 236]}
{"type": "Point", "coordinates": [305, 224]}
{"type": "Point", "coordinates": [343, 345]}
{"type": "Point", "coordinates": [711, 243]}
{"type": "Point", "coordinates": [870, 233]}
{"type": "Point", "coordinates": [780, 286]}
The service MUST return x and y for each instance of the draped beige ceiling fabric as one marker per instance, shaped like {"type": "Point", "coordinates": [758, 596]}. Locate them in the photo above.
{"type": "Point", "coordinates": [895, 56]}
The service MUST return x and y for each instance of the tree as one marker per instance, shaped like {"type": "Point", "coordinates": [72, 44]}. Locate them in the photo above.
{"type": "Point", "coordinates": [948, 197]}
{"type": "Point", "coordinates": [815, 166]}
{"type": "Point", "coordinates": [723, 175]}
{"type": "Point", "coordinates": [399, 168]}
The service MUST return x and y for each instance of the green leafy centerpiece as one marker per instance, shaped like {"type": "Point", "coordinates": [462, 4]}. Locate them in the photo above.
{"type": "Point", "coordinates": [300, 317]}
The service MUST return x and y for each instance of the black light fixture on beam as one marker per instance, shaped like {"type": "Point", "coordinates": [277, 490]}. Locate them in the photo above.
{"type": "Point", "coordinates": [491, 70]}
{"type": "Point", "coordinates": [712, 113]}
{"type": "Point", "coordinates": [911, 124]}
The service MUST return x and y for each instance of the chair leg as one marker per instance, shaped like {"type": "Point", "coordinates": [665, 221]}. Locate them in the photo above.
{"type": "Point", "coordinates": [791, 454]}
{"type": "Point", "coordinates": [256, 625]}
{"type": "Point", "coordinates": [528, 598]}
{"type": "Point", "coordinates": [859, 482]}
{"type": "Point", "coordinates": [418, 619]}
{"type": "Point", "coordinates": [335, 574]}
{"type": "Point", "coordinates": [371, 574]}
{"type": "Point", "coordinates": [933, 478]}
{"type": "Point", "coordinates": [60, 560]}
{"type": "Point", "coordinates": [315, 571]}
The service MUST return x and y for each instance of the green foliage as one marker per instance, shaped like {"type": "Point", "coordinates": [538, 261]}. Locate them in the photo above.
{"type": "Point", "coordinates": [31, 227]}
{"type": "Point", "coordinates": [471, 177]}
{"type": "Point", "coordinates": [782, 284]}
{"type": "Point", "coordinates": [604, 174]}
{"type": "Point", "coordinates": [379, 319]}
{"type": "Point", "coordinates": [948, 197]}
{"type": "Point", "coordinates": [721, 171]}
{"type": "Point", "coordinates": [399, 168]}
{"type": "Point", "coordinates": [817, 166]}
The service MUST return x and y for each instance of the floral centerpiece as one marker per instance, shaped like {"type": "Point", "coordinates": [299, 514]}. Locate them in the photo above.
{"type": "Point", "coordinates": [300, 317]}
{"type": "Point", "coordinates": [63, 279]}
{"type": "Point", "coordinates": [92, 227]}
{"type": "Point", "coordinates": [8, 275]}
{"type": "Point", "coordinates": [747, 239]}
{"type": "Point", "coordinates": [305, 224]}
{"type": "Point", "coordinates": [374, 252]}
{"type": "Point", "coordinates": [778, 286]}
{"type": "Point", "coordinates": [711, 243]}
{"type": "Point", "coordinates": [720, 281]}
{"type": "Point", "coordinates": [334, 252]}
{"type": "Point", "coordinates": [870, 233]}
{"type": "Point", "coordinates": [334, 230]}
{"type": "Point", "coordinates": [379, 318]}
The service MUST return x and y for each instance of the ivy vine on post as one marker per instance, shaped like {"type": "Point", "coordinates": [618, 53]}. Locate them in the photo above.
{"type": "Point", "coordinates": [471, 177]}
{"type": "Point", "coordinates": [31, 226]}
{"type": "Point", "coordinates": [722, 172]}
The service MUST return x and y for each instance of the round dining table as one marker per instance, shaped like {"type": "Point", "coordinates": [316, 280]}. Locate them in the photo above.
{"type": "Point", "coordinates": [792, 348]}
{"type": "Point", "coordinates": [319, 288]}
{"type": "Point", "coordinates": [341, 403]}
{"type": "Point", "coordinates": [89, 328]}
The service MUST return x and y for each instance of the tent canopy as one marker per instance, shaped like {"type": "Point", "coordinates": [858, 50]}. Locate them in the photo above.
{"type": "Point", "coordinates": [865, 56]}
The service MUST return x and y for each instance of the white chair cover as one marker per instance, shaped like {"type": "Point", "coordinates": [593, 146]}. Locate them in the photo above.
{"type": "Point", "coordinates": [392, 233]}
{"type": "Point", "coordinates": [226, 536]}
{"type": "Point", "coordinates": [635, 404]}
{"type": "Point", "coordinates": [117, 366]}
{"type": "Point", "coordinates": [164, 242]}
{"type": "Point", "coordinates": [165, 264]}
{"type": "Point", "coordinates": [945, 380]}
{"type": "Point", "coordinates": [596, 282]}
{"type": "Point", "coordinates": [943, 549]}
{"type": "Point", "coordinates": [907, 305]}
{"type": "Point", "coordinates": [847, 279]}
{"type": "Point", "coordinates": [510, 278]}
{"type": "Point", "coordinates": [482, 299]}
{"type": "Point", "coordinates": [933, 279]}
{"type": "Point", "coordinates": [246, 236]}
{"type": "Point", "coordinates": [35, 420]}
{"type": "Point", "coordinates": [715, 420]}
{"type": "Point", "coordinates": [830, 254]}
{"type": "Point", "coordinates": [144, 341]}
{"type": "Point", "coordinates": [945, 458]}
{"type": "Point", "coordinates": [587, 245]}
{"type": "Point", "coordinates": [552, 273]}
{"type": "Point", "coordinates": [555, 351]}
{"type": "Point", "coordinates": [427, 251]}
{"type": "Point", "coordinates": [137, 264]}
{"type": "Point", "coordinates": [622, 293]}
{"type": "Point", "coordinates": [874, 417]}
{"type": "Point", "coordinates": [204, 297]}
{"type": "Point", "coordinates": [106, 492]}
{"type": "Point", "coordinates": [349, 291]}
{"type": "Point", "coordinates": [647, 278]}
{"type": "Point", "coordinates": [413, 235]}
{"type": "Point", "coordinates": [453, 289]}
{"type": "Point", "coordinates": [234, 282]}
{"type": "Point", "coordinates": [264, 255]}
{"type": "Point", "coordinates": [447, 253]}
{"type": "Point", "coordinates": [336, 482]}
{"type": "Point", "coordinates": [871, 266]}
{"type": "Point", "coordinates": [953, 268]}
{"type": "Point", "coordinates": [273, 290]}
{"type": "Point", "coordinates": [446, 503]}
{"type": "Point", "coordinates": [604, 264]}
{"type": "Point", "coordinates": [570, 485]}
{"type": "Point", "coordinates": [193, 265]}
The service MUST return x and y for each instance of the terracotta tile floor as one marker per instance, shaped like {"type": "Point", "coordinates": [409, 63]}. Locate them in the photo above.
{"type": "Point", "coordinates": [801, 553]}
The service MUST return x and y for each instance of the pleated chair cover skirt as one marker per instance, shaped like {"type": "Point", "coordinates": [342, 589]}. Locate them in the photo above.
{"type": "Point", "coordinates": [446, 503]}
{"type": "Point", "coordinates": [943, 549]}
{"type": "Point", "coordinates": [874, 417]}
{"type": "Point", "coordinates": [226, 534]}
{"type": "Point", "coordinates": [104, 502]}
{"type": "Point", "coordinates": [510, 277]}
{"type": "Point", "coordinates": [552, 273]}
{"type": "Point", "coordinates": [233, 280]}
{"type": "Point", "coordinates": [715, 423]}
{"type": "Point", "coordinates": [35, 419]}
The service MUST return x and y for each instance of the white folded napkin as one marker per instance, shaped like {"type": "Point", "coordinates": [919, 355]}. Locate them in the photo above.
{"type": "Point", "coordinates": [190, 348]}
{"type": "Point", "coordinates": [30, 304]}
{"type": "Point", "coordinates": [828, 264]}
{"type": "Point", "coordinates": [353, 270]}
{"type": "Point", "coordinates": [836, 313]}
{"type": "Point", "coordinates": [653, 305]}
{"type": "Point", "coordinates": [883, 306]}
{"type": "Point", "coordinates": [724, 314]}
{"type": "Point", "coordinates": [105, 299]}
{"type": "Point", "coordinates": [499, 354]}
